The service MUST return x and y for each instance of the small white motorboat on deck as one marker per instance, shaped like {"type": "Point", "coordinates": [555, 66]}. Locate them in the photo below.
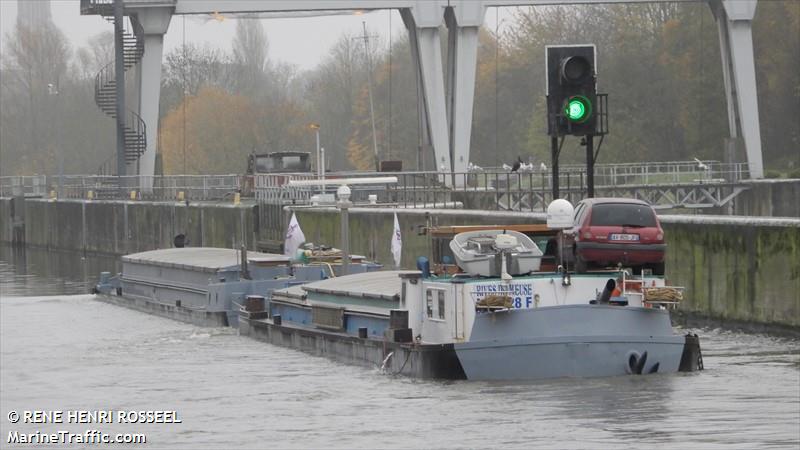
{"type": "Point", "coordinates": [481, 252]}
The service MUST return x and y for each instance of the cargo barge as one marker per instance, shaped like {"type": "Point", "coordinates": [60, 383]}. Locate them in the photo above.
{"type": "Point", "coordinates": [207, 286]}
{"type": "Point", "coordinates": [501, 305]}
{"type": "Point", "coordinates": [533, 326]}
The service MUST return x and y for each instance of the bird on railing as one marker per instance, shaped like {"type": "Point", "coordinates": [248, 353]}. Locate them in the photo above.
{"type": "Point", "coordinates": [516, 165]}
{"type": "Point", "coordinates": [543, 167]}
{"type": "Point", "coordinates": [506, 167]}
{"type": "Point", "coordinates": [526, 167]}
{"type": "Point", "coordinates": [474, 167]}
{"type": "Point", "coordinates": [701, 165]}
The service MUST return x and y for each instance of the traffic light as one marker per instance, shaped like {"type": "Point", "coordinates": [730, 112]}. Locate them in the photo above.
{"type": "Point", "coordinates": [571, 90]}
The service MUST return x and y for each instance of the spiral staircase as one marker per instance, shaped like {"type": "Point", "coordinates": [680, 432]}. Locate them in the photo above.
{"type": "Point", "coordinates": [105, 84]}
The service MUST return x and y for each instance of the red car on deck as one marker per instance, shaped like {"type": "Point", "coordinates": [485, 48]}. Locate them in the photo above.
{"type": "Point", "coordinates": [609, 231]}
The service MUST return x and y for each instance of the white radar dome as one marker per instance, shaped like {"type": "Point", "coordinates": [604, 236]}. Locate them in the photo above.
{"type": "Point", "coordinates": [559, 214]}
{"type": "Point", "coordinates": [343, 193]}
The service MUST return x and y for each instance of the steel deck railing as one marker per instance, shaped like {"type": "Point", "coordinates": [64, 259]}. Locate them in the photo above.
{"type": "Point", "coordinates": [491, 189]}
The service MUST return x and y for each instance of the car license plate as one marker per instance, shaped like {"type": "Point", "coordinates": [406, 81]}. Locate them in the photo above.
{"type": "Point", "coordinates": [624, 237]}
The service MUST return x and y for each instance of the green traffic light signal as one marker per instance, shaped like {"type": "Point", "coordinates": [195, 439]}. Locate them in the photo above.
{"type": "Point", "coordinates": [578, 109]}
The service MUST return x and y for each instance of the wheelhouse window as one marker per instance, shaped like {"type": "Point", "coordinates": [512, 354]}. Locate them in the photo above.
{"type": "Point", "coordinates": [435, 303]}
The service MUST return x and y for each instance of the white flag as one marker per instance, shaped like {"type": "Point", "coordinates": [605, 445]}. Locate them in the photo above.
{"type": "Point", "coordinates": [397, 242]}
{"type": "Point", "coordinates": [294, 237]}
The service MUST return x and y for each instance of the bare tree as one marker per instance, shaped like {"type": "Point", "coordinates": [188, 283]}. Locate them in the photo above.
{"type": "Point", "coordinates": [250, 49]}
{"type": "Point", "coordinates": [34, 66]}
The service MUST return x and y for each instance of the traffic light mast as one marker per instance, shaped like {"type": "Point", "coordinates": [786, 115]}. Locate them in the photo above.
{"type": "Point", "coordinates": [574, 108]}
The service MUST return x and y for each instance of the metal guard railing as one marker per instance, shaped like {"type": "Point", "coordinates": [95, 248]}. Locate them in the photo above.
{"type": "Point", "coordinates": [167, 187]}
{"type": "Point", "coordinates": [482, 189]}
{"type": "Point", "coordinates": [500, 189]}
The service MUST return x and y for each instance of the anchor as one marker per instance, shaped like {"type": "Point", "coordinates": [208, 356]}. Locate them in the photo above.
{"type": "Point", "coordinates": [636, 363]}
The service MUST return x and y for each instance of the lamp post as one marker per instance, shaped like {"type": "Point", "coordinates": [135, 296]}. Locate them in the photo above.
{"type": "Point", "coordinates": [344, 203]}
{"type": "Point", "coordinates": [315, 127]}
{"type": "Point", "coordinates": [52, 89]}
{"type": "Point", "coordinates": [369, 90]}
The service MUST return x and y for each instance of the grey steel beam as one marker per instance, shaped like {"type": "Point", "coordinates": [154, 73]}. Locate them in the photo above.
{"type": "Point", "coordinates": [154, 23]}
{"type": "Point", "coordinates": [249, 6]}
{"type": "Point", "coordinates": [464, 25]}
{"type": "Point", "coordinates": [740, 15]}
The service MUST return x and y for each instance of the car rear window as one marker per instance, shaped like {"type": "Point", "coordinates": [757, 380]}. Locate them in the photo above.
{"type": "Point", "coordinates": [612, 214]}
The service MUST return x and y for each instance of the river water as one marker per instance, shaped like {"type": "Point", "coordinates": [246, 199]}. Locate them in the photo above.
{"type": "Point", "coordinates": [61, 351]}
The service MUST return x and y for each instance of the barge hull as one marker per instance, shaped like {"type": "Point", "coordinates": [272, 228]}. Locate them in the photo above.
{"type": "Point", "coordinates": [414, 360]}
{"type": "Point", "coordinates": [576, 358]}
{"type": "Point", "coordinates": [192, 316]}
{"type": "Point", "coordinates": [570, 341]}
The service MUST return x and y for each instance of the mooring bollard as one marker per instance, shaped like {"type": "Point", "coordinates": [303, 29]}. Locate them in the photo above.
{"type": "Point", "coordinates": [255, 303]}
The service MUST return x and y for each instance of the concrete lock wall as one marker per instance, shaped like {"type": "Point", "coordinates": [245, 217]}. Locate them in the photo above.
{"type": "Point", "coordinates": [6, 219]}
{"type": "Point", "coordinates": [769, 198]}
{"type": "Point", "coordinates": [736, 270]}
{"type": "Point", "coordinates": [122, 227]}
{"type": "Point", "coordinates": [733, 269]}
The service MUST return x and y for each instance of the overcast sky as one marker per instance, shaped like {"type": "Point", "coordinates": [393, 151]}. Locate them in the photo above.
{"type": "Point", "coordinates": [303, 42]}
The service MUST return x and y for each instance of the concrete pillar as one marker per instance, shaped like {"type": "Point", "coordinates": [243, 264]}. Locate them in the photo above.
{"type": "Point", "coordinates": [154, 23]}
{"type": "Point", "coordinates": [135, 105]}
{"type": "Point", "coordinates": [424, 142]}
{"type": "Point", "coordinates": [449, 113]}
{"type": "Point", "coordinates": [430, 60]}
{"type": "Point", "coordinates": [727, 77]}
{"type": "Point", "coordinates": [450, 73]}
{"type": "Point", "coordinates": [466, 55]}
{"type": "Point", "coordinates": [428, 16]}
{"type": "Point", "coordinates": [739, 24]}
{"type": "Point", "coordinates": [466, 19]}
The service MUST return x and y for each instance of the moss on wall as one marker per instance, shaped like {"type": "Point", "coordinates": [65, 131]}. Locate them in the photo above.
{"type": "Point", "coordinates": [129, 227]}
{"type": "Point", "coordinates": [737, 272]}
